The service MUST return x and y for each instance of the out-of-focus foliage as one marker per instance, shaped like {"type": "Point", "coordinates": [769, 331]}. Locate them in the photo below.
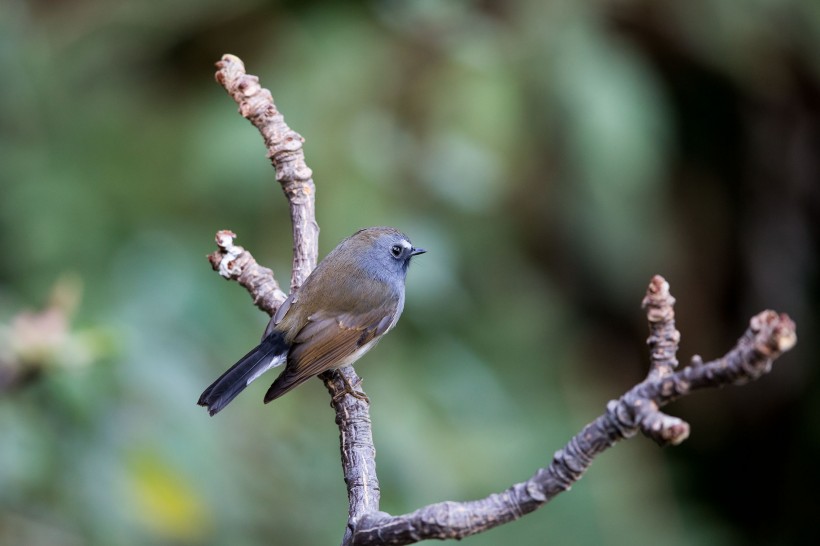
{"type": "Point", "coordinates": [551, 156]}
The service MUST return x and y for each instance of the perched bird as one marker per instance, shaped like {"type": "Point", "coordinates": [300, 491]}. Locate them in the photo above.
{"type": "Point", "coordinates": [352, 298]}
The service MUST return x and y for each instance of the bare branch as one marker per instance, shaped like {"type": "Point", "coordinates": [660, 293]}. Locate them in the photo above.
{"type": "Point", "coordinates": [234, 262]}
{"type": "Point", "coordinates": [768, 336]}
{"type": "Point", "coordinates": [663, 347]}
{"type": "Point", "coordinates": [356, 442]}
{"type": "Point", "coordinates": [286, 155]}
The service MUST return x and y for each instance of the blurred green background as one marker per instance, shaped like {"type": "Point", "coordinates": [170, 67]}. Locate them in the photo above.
{"type": "Point", "coordinates": [551, 156]}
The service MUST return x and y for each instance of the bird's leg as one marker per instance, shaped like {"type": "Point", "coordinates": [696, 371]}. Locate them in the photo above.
{"type": "Point", "coordinates": [351, 390]}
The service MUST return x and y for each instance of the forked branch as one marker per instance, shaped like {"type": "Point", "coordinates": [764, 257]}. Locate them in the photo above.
{"type": "Point", "coordinates": [769, 335]}
{"type": "Point", "coordinates": [233, 262]}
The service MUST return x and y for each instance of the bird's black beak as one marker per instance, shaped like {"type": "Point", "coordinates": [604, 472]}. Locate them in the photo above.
{"type": "Point", "coordinates": [416, 251]}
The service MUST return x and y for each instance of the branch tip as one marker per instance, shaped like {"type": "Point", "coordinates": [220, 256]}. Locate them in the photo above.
{"type": "Point", "coordinates": [229, 65]}
{"type": "Point", "coordinates": [659, 427]}
{"type": "Point", "coordinates": [233, 262]}
{"type": "Point", "coordinates": [663, 337]}
{"type": "Point", "coordinates": [658, 301]}
{"type": "Point", "coordinates": [224, 239]}
{"type": "Point", "coordinates": [774, 333]}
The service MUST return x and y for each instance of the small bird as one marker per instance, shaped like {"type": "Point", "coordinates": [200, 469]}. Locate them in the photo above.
{"type": "Point", "coordinates": [352, 298]}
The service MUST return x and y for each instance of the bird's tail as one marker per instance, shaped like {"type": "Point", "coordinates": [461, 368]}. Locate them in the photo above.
{"type": "Point", "coordinates": [270, 353]}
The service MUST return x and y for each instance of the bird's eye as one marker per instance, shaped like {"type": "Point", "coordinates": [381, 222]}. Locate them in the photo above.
{"type": "Point", "coordinates": [395, 250]}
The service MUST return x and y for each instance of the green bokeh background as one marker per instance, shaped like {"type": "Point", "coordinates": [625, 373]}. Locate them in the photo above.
{"type": "Point", "coordinates": [551, 156]}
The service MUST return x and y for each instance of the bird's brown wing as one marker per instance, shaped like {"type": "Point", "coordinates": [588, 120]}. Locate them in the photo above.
{"type": "Point", "coordinates": [325, 342]}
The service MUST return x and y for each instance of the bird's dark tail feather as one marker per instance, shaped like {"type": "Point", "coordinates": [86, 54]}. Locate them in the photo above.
{"type": "Point", "coordinates": [232, 382]}
{"type": "Point", "coordinates": [286, 382]}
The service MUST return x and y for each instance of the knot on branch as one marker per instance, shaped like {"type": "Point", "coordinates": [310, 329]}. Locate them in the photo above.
{"type": "Point", "coordinates": [622, 417]}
